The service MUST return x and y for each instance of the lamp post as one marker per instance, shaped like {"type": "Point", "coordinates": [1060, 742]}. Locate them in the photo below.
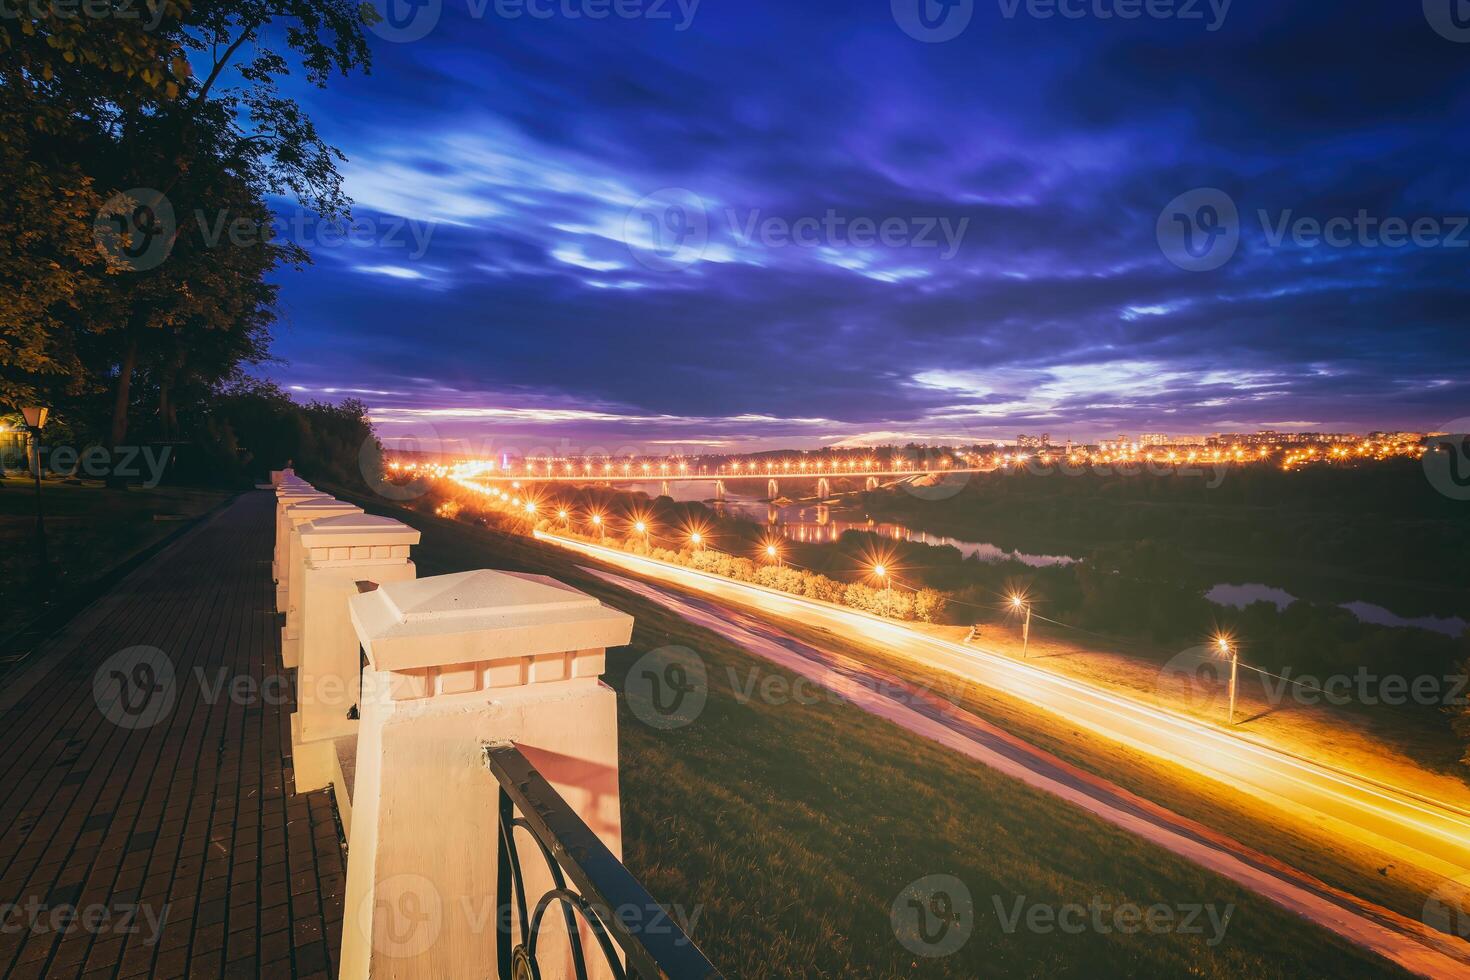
{"type": "Point", "coordinates": [35, 421]}
{"type": "Point", "coordinates": [1019, 603]}
{"type": "Point", "coordinates": [1228, 649]}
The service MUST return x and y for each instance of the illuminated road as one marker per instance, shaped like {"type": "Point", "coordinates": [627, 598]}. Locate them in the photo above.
{"type": "Point", "coordinates": [1409, 827]}
{"type": "Point", "coordinates": [1409, 944]}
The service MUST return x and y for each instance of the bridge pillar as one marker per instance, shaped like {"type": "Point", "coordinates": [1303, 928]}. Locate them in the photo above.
{"type": "Point", "coordinates": [824, 489]}
{"type": "Point", "coordinates": [663, 489]}
{"type": "Point", "coordinates": [872, 483]}
{"type": "Point", "coordinates": [719, 489]}
{"type": "Point", "coordinates": [773, 490]}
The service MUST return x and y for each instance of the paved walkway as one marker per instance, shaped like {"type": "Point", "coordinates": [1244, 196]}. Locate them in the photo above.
{"type": "Point", "coordinates": [148, 824]}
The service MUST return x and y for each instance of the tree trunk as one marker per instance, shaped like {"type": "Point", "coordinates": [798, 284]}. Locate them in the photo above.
{"type": "Point", "coordinates": [164, 409]}
{"type": "Point", "coordinates": [124, 391]}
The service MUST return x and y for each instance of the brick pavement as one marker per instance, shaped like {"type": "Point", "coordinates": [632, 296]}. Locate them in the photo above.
{"type": "Point", "coordinates": [138, 800]}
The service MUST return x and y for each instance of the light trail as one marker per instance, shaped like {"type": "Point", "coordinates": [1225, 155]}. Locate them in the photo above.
{"type": "Point", "coordinates": [1409, 943]}
{"type": "Point", "coordinates": [1416, 829]}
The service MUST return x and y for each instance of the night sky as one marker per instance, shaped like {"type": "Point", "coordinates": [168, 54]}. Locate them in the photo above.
{"type": "Point", "coordinates": [613, 207]}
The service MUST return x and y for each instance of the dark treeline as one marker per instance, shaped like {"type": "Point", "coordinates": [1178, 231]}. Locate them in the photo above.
{"type": "Point", "coordinates": [1329, 532]}
{"type": "Point", "coordinates": [245, 430]}
{"type": "Point", "coordinates": [126, 143]}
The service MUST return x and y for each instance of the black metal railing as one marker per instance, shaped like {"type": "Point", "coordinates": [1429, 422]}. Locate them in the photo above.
{"type": "Point", "coordinates": [588, 884]}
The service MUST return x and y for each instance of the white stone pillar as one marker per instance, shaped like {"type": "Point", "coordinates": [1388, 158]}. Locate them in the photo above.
{"type": "Point", "coordinates": [456, 662]}
{"type": "Point", "coordinates": [338, 552]}
{"type": "Point", "coordinates": [297, 514]}
{"type": "Point", "coordinates": [286, 495]}
{"type": "Point", "coordinates": [281, 567]}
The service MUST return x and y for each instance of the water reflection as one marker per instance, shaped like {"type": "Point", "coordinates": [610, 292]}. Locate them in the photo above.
{"type": "Point", "coordinates": [817, 524]}
{"type": "Point", "coordinates": [1241, 596]}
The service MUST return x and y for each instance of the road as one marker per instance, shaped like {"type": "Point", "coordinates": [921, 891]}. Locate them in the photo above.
{"type": "Point", "coordinates": [1407, 943]}
{"type": "Point", "coordinates": [1408, 826]}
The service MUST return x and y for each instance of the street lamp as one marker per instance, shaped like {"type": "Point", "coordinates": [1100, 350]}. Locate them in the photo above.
{"type": "Point", "coordinates": [697, 540]}
{"type": "Point", "coordinates": [1227, 649]}
{"type": "Point", "coordinates": [881, 572]}
{"type": "Point", "coordinates": [601, 528]}
{"type": "Point", "coordinates": [1018, 603]}
{"type": "Point", "coordinates": [35, 421]}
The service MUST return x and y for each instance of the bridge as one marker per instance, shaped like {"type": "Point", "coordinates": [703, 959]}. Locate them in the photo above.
{"type": "Point", "coordinates": [666, 475]}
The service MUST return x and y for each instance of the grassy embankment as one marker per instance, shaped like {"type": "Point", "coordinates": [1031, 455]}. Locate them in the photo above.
{"type": "Point", "coordinates": [796, 826]}
{"type": "Point", "coordinates": [1378, 532]}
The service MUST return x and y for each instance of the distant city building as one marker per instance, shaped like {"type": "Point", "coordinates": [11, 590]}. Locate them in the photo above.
{"type": "Point", "coordinates": [1042, 441]}
{"type": "Point", "coordinates": [1400, 437]}
{"type": "Point", "coordinates": [1154, 439]}
{"type": "Point", "coordinates": [1270, 437]}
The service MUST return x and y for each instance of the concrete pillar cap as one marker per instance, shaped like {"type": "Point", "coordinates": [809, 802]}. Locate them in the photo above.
{"type": "Point", "coordinates": [481, 616]}
{"type": "Point", "coordinates": [323, 506]}
{"type": "Point", "coordinates": [347, 530]}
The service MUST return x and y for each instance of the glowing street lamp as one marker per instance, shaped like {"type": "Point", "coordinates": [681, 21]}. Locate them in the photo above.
{"type": "Point", "coordinates": [1227, 649]}
{"type": "Point", "coordinates": [696, 539]}
{"type": "Point", "coordinates": [601, 527]}
{"type": "Point", "coordinates": [1019, 603]}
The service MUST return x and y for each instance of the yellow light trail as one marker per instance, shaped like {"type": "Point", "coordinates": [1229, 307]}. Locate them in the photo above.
{"type": "Point", "coordinates": [1434, 835]}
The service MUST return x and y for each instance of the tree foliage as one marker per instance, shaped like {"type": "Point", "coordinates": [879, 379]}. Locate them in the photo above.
{"type": "Point", "coordinates": [139, 140]}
